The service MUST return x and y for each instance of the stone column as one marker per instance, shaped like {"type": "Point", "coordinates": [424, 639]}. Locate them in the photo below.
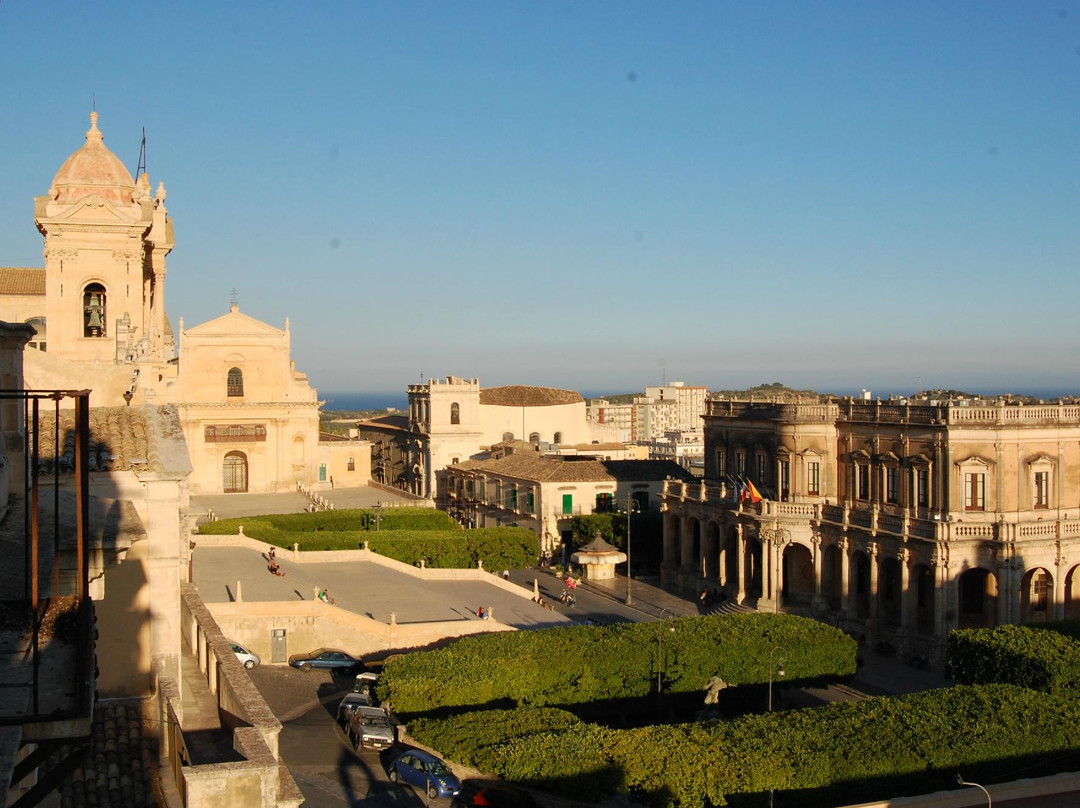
{"type": "Point", "coordinates": [817, 600]}
{"type": "Point", "coordinates": [742, 566]}
{"type": "Point", "coordinates": [845, 574]}
{"type": "Point", "coordinates": [903, 555]}
{"type": "Point", "coordinates": [1061, 569]}
{"type": "Point", "coordinates": [874, 552]}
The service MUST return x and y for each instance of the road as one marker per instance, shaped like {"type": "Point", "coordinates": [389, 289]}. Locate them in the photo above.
{"type": "Point", "coordinates": [329, 772]}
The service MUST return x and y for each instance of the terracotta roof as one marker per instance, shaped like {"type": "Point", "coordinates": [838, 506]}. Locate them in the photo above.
{"type": "Point", "coordinates": [554, 469]}
{"type": "Point", "coordinates": [121, 764]}
{"type": "Point", "coordinates": [121, 438]}
{"type": "Point", "coordinates": [520, 395]}
{"type": "Point", "coordinates": [22, 281]}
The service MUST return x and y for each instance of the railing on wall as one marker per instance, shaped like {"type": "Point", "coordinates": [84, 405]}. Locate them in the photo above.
{"type": "Point", "coordinates": [44, 452]}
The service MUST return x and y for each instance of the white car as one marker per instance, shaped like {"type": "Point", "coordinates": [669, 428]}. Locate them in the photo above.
{"type": "Point", "coordinates": [248, 659]}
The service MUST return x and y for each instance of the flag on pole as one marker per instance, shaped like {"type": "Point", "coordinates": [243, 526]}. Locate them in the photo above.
{"type": "Point", "coordinates": [752, 493]}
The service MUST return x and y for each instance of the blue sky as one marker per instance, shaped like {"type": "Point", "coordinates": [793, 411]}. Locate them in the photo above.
{"type": "Point", "coordinates": [594, 195]}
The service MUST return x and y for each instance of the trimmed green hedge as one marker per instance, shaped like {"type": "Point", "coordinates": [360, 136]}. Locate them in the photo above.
{"type": "Point", "coordinates": [405, 534]}
{"type": "Point", "coordinates": [1037, 658]}
{"type": "Point", "coordinates": [582, 664]}
{"type": "Point", "coordinates": [342, 521]}
{"type": "Point", "coordinates": [845, 752]}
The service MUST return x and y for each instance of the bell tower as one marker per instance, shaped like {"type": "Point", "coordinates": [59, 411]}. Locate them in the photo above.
{"type": "Point", "coordinates": [106, 239]}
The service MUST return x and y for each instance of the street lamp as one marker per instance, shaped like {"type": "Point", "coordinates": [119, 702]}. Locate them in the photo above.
{"type": "Point", "coordinates": [778, 537]}
{"type": "Point", "coordinates": [779, 671]}
{"type": "Point", "coordinates": [631, 506]}
{"type": "Point", "coordinates": [963, 782]}
{"type": "Point", "coordinates": [660, 655]}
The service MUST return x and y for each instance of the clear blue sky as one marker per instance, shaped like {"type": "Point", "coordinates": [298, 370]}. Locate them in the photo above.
{"type": "Point", "coordinates": [590, 194]}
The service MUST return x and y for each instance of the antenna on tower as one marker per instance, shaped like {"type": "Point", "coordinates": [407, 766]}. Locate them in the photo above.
{"type": "Point", "coordinates": [141, 168]}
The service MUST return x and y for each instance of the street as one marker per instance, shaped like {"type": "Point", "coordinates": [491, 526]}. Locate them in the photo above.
{"type": "Point", "coordinates": [329, 772]}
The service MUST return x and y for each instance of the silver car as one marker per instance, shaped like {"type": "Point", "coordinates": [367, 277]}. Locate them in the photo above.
{"type": "Point", "coordinates": [249, 659]}
{"type": "Point", "coordinates": [370, 728]}
{"type": "Point", "coordinates": [348, 705]}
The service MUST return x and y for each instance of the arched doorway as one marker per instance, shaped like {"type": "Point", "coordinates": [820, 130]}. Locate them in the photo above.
{"type": "Point", "coordinates": [924, 597]}
{"type": "Point", "coordinates": [695, 544]}
{"type": "Point", "coordinates": [730, 581]}
{"type": "Point", "coordinates": [712, 551]}
{"type": "Point", "coordinates": [1072, 593]}
{"type": "Point", "coordinates": [1036, 596]}
{"type": "Point", "coordinates": [860, 584]}
{"type": "Point", "coordinates": [832, 578]}
{"type": "Point", "coordinates": [235, 473]}
{"type": "Point", "coordinates": [888, 593]}
{"type": "Point", "coordinates": [798, 576]}
{"type": "Point", "coordinates": [977, 590]}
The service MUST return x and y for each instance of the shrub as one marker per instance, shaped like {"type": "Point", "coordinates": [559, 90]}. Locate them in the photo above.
{"type": "Point", "coordinates": [1020, 655]}
{"type": "Point", "coordinates": [580, 664]}
{"type": "Point", "coordinates": [844, 752]}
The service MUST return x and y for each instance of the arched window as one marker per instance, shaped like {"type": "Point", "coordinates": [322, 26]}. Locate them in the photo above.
{"type": "Point", "coordinates": [455, 413]}
{"type": "Point", "coordinates": [94, 313]}
{"type": "Point", "coordinates": [234, 473]}
{"type": "Point", "coordinates": [352, 464]}
{"type": "Point", "coordinates": [534, 438]}
{"type": "Point", "coordinates": [557, 438]}
{"type": "Point", "coordinates": [235, 384]}
{"type": "Point", "coordinates": [38, 340]}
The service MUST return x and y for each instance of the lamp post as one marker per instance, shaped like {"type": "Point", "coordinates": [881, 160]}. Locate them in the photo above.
{"type": "Point", "coordinates": [631, 506]}
{"type": "Point", "coordinates": [660, 656]}
{"type": "Point", "coordinates": [778, 537]}
{"type": "Point", "coordinates": [963, 782]}
{"type": "Point", "coordinates": [778, 669]}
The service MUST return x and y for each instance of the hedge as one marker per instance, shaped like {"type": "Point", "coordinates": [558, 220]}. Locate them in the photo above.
{"type": "Point", "coordinates": [581, 664]}
{"type": "Point", "coordinates": [408, 534]}
{"type": "Point", "coordinates": [842, 752]}
{"type": "Point", "coordinates": [340, 521]}
{"type": "Point", "coordinates": [1021, 655]}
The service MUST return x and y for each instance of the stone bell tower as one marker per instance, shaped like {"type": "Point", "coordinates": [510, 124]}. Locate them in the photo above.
{"type": "Point", "coordinates": [106, 238]}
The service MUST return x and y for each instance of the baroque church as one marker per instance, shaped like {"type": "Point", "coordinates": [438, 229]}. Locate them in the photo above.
{"type": "Point", "coordinates": [250, 419]}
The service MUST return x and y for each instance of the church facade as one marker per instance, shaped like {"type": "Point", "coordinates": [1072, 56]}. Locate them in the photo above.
{"type": "Point", "coordinates": [251, 420]}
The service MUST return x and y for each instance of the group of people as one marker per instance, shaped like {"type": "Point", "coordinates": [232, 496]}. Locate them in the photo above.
{"type": "Point", "coordinates": [483, 613]}
{"type": "Point", "coordinates": [272, 565]}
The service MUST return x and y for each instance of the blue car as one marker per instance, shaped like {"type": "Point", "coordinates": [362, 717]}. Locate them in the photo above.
{"type": "Point", "coordinates": [329, 659]}
{"type": "Point", "coordinates": [425, 771]}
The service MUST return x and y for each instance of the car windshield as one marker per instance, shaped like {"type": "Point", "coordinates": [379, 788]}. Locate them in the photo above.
{"type": "Point", "coordinates": [439, 768]}
{"type": "Point", "coordinates": [375, 721]}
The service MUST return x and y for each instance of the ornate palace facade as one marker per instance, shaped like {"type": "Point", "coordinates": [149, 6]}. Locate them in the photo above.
{"type": "Point", "coordinates": [898, 521]}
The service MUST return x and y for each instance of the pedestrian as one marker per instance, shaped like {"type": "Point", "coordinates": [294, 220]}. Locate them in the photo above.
{"type": "Point", "coordinates": [506, 575]}
{"type": "Point", "coordinates": [271, 554]}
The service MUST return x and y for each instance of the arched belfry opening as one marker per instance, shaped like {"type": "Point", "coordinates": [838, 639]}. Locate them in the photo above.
{"type": "Point", "coordinates": [94, 311]}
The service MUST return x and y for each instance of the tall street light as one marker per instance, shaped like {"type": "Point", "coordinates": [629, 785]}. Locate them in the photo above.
{"type": "Point", "coordinates": [631, 506]}
{"type": "Point", "coordinates": [777, 669]}
{"type": "Point", "coordinates": [660, 655]}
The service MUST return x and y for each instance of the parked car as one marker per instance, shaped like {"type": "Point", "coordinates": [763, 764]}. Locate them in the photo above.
{"type": "Point", "coordinates": [249, 659]}
{"type": "Point", "coordinates": [370, 728]}
{"type": "Point", "coordinates": [492, 794]}
{"type": "Point", "coordinates": [365, 683]}
{"type": "Point", "coordinates": [349, 704]}
{"type": "Point", "coordinates": [424, 770]}
{"type": "Point", "coordinates": [329, 659]}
